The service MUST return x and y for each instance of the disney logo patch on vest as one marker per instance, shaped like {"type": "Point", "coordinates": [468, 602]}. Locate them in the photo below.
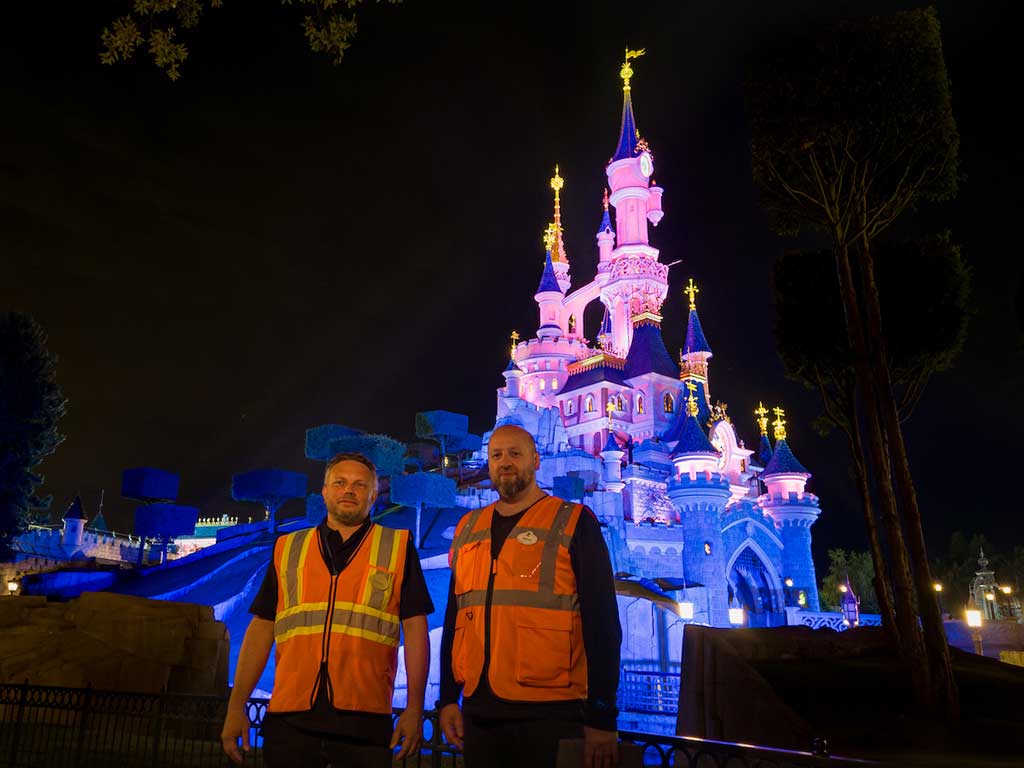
{"type": "Point", "coordinates": [380, 580]}
{"type": "Point", "coordinates": [527, 538]}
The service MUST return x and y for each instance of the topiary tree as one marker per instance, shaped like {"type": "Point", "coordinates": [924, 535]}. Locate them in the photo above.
{"type": "Point", "coordinates": [269, 487]}
{"type": "Point", "coordinates": [31, 405]}
{"type": "Point", "coordinates": [421, 489]}
{"type": "Point", "coordinates": [447, 428]}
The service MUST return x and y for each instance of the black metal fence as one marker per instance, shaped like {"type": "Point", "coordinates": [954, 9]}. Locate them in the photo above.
{"type": "Point", "coordinates": [81, 728]}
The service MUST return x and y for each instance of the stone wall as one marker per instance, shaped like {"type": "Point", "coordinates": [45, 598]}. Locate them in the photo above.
{"type": "Point", "coordinates": [114, 642]}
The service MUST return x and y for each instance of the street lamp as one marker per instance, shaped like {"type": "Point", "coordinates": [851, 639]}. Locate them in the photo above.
{"type": "Point", "coordinates": [1006, 590]}
{"type": "Point", "coordinates": [685, 610]}
{"type": "Point", "coordinates": [12, 586]}
{"type": "Point", "coordinates": [938, 595]}
{"type": "Point", "coordinates": [974, 622]}
{"type": "Point", "coordinates": [736, 616]}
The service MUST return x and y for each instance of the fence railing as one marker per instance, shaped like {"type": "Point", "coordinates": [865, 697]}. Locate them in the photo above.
{"type": "Point", "coordinates": [649, 693]}
{"type": "Point", "coordinates": [81, 728]}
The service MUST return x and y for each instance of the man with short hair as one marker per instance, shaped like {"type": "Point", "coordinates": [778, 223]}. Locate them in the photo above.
{"type": "Point", "coordinates": [531, 634]}
{"type": "Point", "coordinates": [333, 600]}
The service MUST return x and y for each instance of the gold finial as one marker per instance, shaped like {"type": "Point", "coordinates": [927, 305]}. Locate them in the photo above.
{"type": "Point", "coordinates": [549, 237]}
{"type": "Point", "coordinates": [762, 418]}
{"type": "Point", "coordinates": [515, 338]}
{"type": "Point", "coordinates": [691, 401]}
{"type": "Point", "coordinates": [557, 182]}
{"type": "Point", "coordinates": [626, 72]}
{"type": "Point", "coordinates": [692, 290]}
{"type": "Point", "coordinates": [779, 424]}
{"type": "Point", "coordinates": [609, 409]}
{"type": "Point", "coordinates": [553, 235]}
{"type": "Point", "coordinates": [606, 198]}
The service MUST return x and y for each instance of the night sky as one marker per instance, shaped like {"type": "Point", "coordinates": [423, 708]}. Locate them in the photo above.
{"type": "Point", "coordinates": [274, 243]}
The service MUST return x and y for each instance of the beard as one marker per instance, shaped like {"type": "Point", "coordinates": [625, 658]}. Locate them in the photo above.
{"type": "Point", "coordinates": [348, 515]}
{"type": "Point", "coordinates": [511, 485]}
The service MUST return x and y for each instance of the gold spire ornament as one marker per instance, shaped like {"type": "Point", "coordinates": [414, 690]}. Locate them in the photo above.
{"type": "Point", "coordinates": [609, 409]}
{"type": "Point", "coordinates": [515, 338]}
{"type": "Point", "coordinates": [779, 424]}
{"type": "Point", "coordinates": [553, 235]}
{"type": "Point", "coordinates": [762, 418]}
{"type": "Point", "coordinates": [605, 202]}
{"type": "Point", "coordinates": [691, 401]}
{"type": "Point", "coordinates": [692, 290]}
{"type": "Point", "coordinates": [626, 72]}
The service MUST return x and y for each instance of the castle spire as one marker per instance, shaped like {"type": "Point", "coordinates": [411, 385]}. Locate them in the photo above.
{"type": "Point", "coordinates": [628, 133]}
{"type": "Point", "coordinates": [557, 246]}
{"type": "Point", "coordinates": [764, 447]}
{"type": "Point", "coordinates": [606, 220]}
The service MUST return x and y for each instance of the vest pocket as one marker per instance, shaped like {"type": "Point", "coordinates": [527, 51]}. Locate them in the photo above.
{"type": "Point", "coordinates": [472, 567]}
{"type": "Point", "coordinates": [544, 652]}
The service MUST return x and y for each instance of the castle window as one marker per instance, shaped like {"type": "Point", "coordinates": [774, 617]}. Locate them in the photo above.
{"type": "Point", "coordinates": [618, 402]}
{"type": "Point", "coordinates": [590, 404]}
{"type": "Point", "coordinates": [568, 408]}
{"type": "Point", "coordinates": [707, 547]}
{"type": "Point", "coordinates": [597, 442]}
{"type": "Point", "coordinates": [542, 382]}
{"type": "Point", "coordinates": [669, 403]}
{"type": "Point", "coordinates": [554, 383]}
{"type": "Point", "coordinates": [572, 323]}
{"type": "Point", "coordinates": [640, 403]}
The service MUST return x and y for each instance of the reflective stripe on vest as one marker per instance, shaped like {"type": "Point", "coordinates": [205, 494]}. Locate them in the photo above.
{"type": "Point", "coordinates": [364, 621]}
{"type": "Point", "coordinates": [534, 606]}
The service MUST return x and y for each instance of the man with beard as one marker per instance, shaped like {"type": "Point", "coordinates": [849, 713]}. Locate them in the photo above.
{"type": "Point", "coordinates": [531, 634]}
{"type": "Point", "coordinates": [333, 600]}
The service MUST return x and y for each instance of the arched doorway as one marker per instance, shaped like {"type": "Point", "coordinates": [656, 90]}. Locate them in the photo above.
{"type": "Point", "coordinates": [753, 587]}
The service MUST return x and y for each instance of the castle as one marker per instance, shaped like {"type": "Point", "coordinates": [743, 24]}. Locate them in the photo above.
{"type": "Point", "coordinates": [686, 505]}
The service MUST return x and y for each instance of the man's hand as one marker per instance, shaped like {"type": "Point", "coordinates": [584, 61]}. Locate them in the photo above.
{"type": "Point", "coordinates": [600, 748]}
{"type": "Point", "coordinates": [450, 719]}
{"type": "Point", "coordinates": [236, 726]}
{"type": "Point", "coordinates": [408, 732]}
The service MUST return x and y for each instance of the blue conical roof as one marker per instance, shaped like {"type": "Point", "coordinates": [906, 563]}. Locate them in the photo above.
{"type": "Point", "coordinates": [693, 440]}
{"type": "Point", "coordinates": [548, 282]}
{"type": "Point", "coordinates": [75, 511]}
{"type": "Point", "coordinates": [783, 461]}
{"type": "Point", "coordinates": [611, 444]}
{"type": "Point", "coordinates": [99, 524]}
{"type": "Point", "coordinates": [647, 353]}
{"type": "Point", "coordinates": [695, 341]}
{"type": "Point", "coordinates": [512, 365]}
{"type": "Point", "coordinates": [606, 223]}
{"type": "Point", "coordinates": [764, 451]}
{"type": "Point", "coordinates": [627, 131]}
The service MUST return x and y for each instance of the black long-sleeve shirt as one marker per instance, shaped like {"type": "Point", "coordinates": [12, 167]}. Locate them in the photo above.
{"type": "Point", "coordinates": [602, 635]}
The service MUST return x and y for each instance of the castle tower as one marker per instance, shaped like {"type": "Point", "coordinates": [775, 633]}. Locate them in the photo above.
{"type": "Point", "coordinates": [513, 373]}
{"type": "Point", "coordinates": [794, 511]}
{"type": "Point", "coordinates": [693, 359]}
{"type": "Point", "coordinates": [764, 447]}
{"type": "Point", "coordinates": [699, 491]}
{"type": "Point", "coordinates": [636, 281]}
{"type": "Point", "coordinates": [74, 525]}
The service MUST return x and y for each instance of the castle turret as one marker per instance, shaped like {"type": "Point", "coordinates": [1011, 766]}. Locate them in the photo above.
{"type": "Point", "coordinates": [611, 456]}
{"type": "Point", "coordinates": [513, 376]}
{"type": "Point", "coordinates": [74, 525]}
{"type": "Point", "coordinates": [699, 492]}
{"type": "Point", "coordinates": [549, 302]}
{"type": "Point", "coordinates": [634, 282]}
{"type": "Point", "coordinates": [605, 237]}
{"type": "Point", "coordinates": [794, 511]}
{"type": "Point", "coordinates": [693, 359]}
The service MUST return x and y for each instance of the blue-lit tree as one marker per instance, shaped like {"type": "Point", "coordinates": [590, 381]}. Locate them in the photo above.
{"type": "Point", "coordinates": [31, 405]}
{"type": "Point", "coordinates": [269, 487]}
{"type": "Point", "coordinates": [422, 489]}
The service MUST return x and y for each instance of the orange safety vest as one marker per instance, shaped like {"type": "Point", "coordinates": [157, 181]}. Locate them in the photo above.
{"type": "Point", "coordinates": [359, 629]}
{"type": "Point", "coordinates": [529, 600]}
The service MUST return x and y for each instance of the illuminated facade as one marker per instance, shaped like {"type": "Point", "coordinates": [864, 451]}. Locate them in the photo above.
{"type": "Point", "coordinates": [685, 501]}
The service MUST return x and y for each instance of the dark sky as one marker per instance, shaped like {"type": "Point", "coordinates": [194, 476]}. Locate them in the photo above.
{"type": "Point", "coordinates": [274, 243]}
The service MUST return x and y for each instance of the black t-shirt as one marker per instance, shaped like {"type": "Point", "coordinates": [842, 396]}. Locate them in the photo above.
{"type": "Point", "coordinates": [602, 635]}
{"type": "Point", "coordinates": [414, 600]}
